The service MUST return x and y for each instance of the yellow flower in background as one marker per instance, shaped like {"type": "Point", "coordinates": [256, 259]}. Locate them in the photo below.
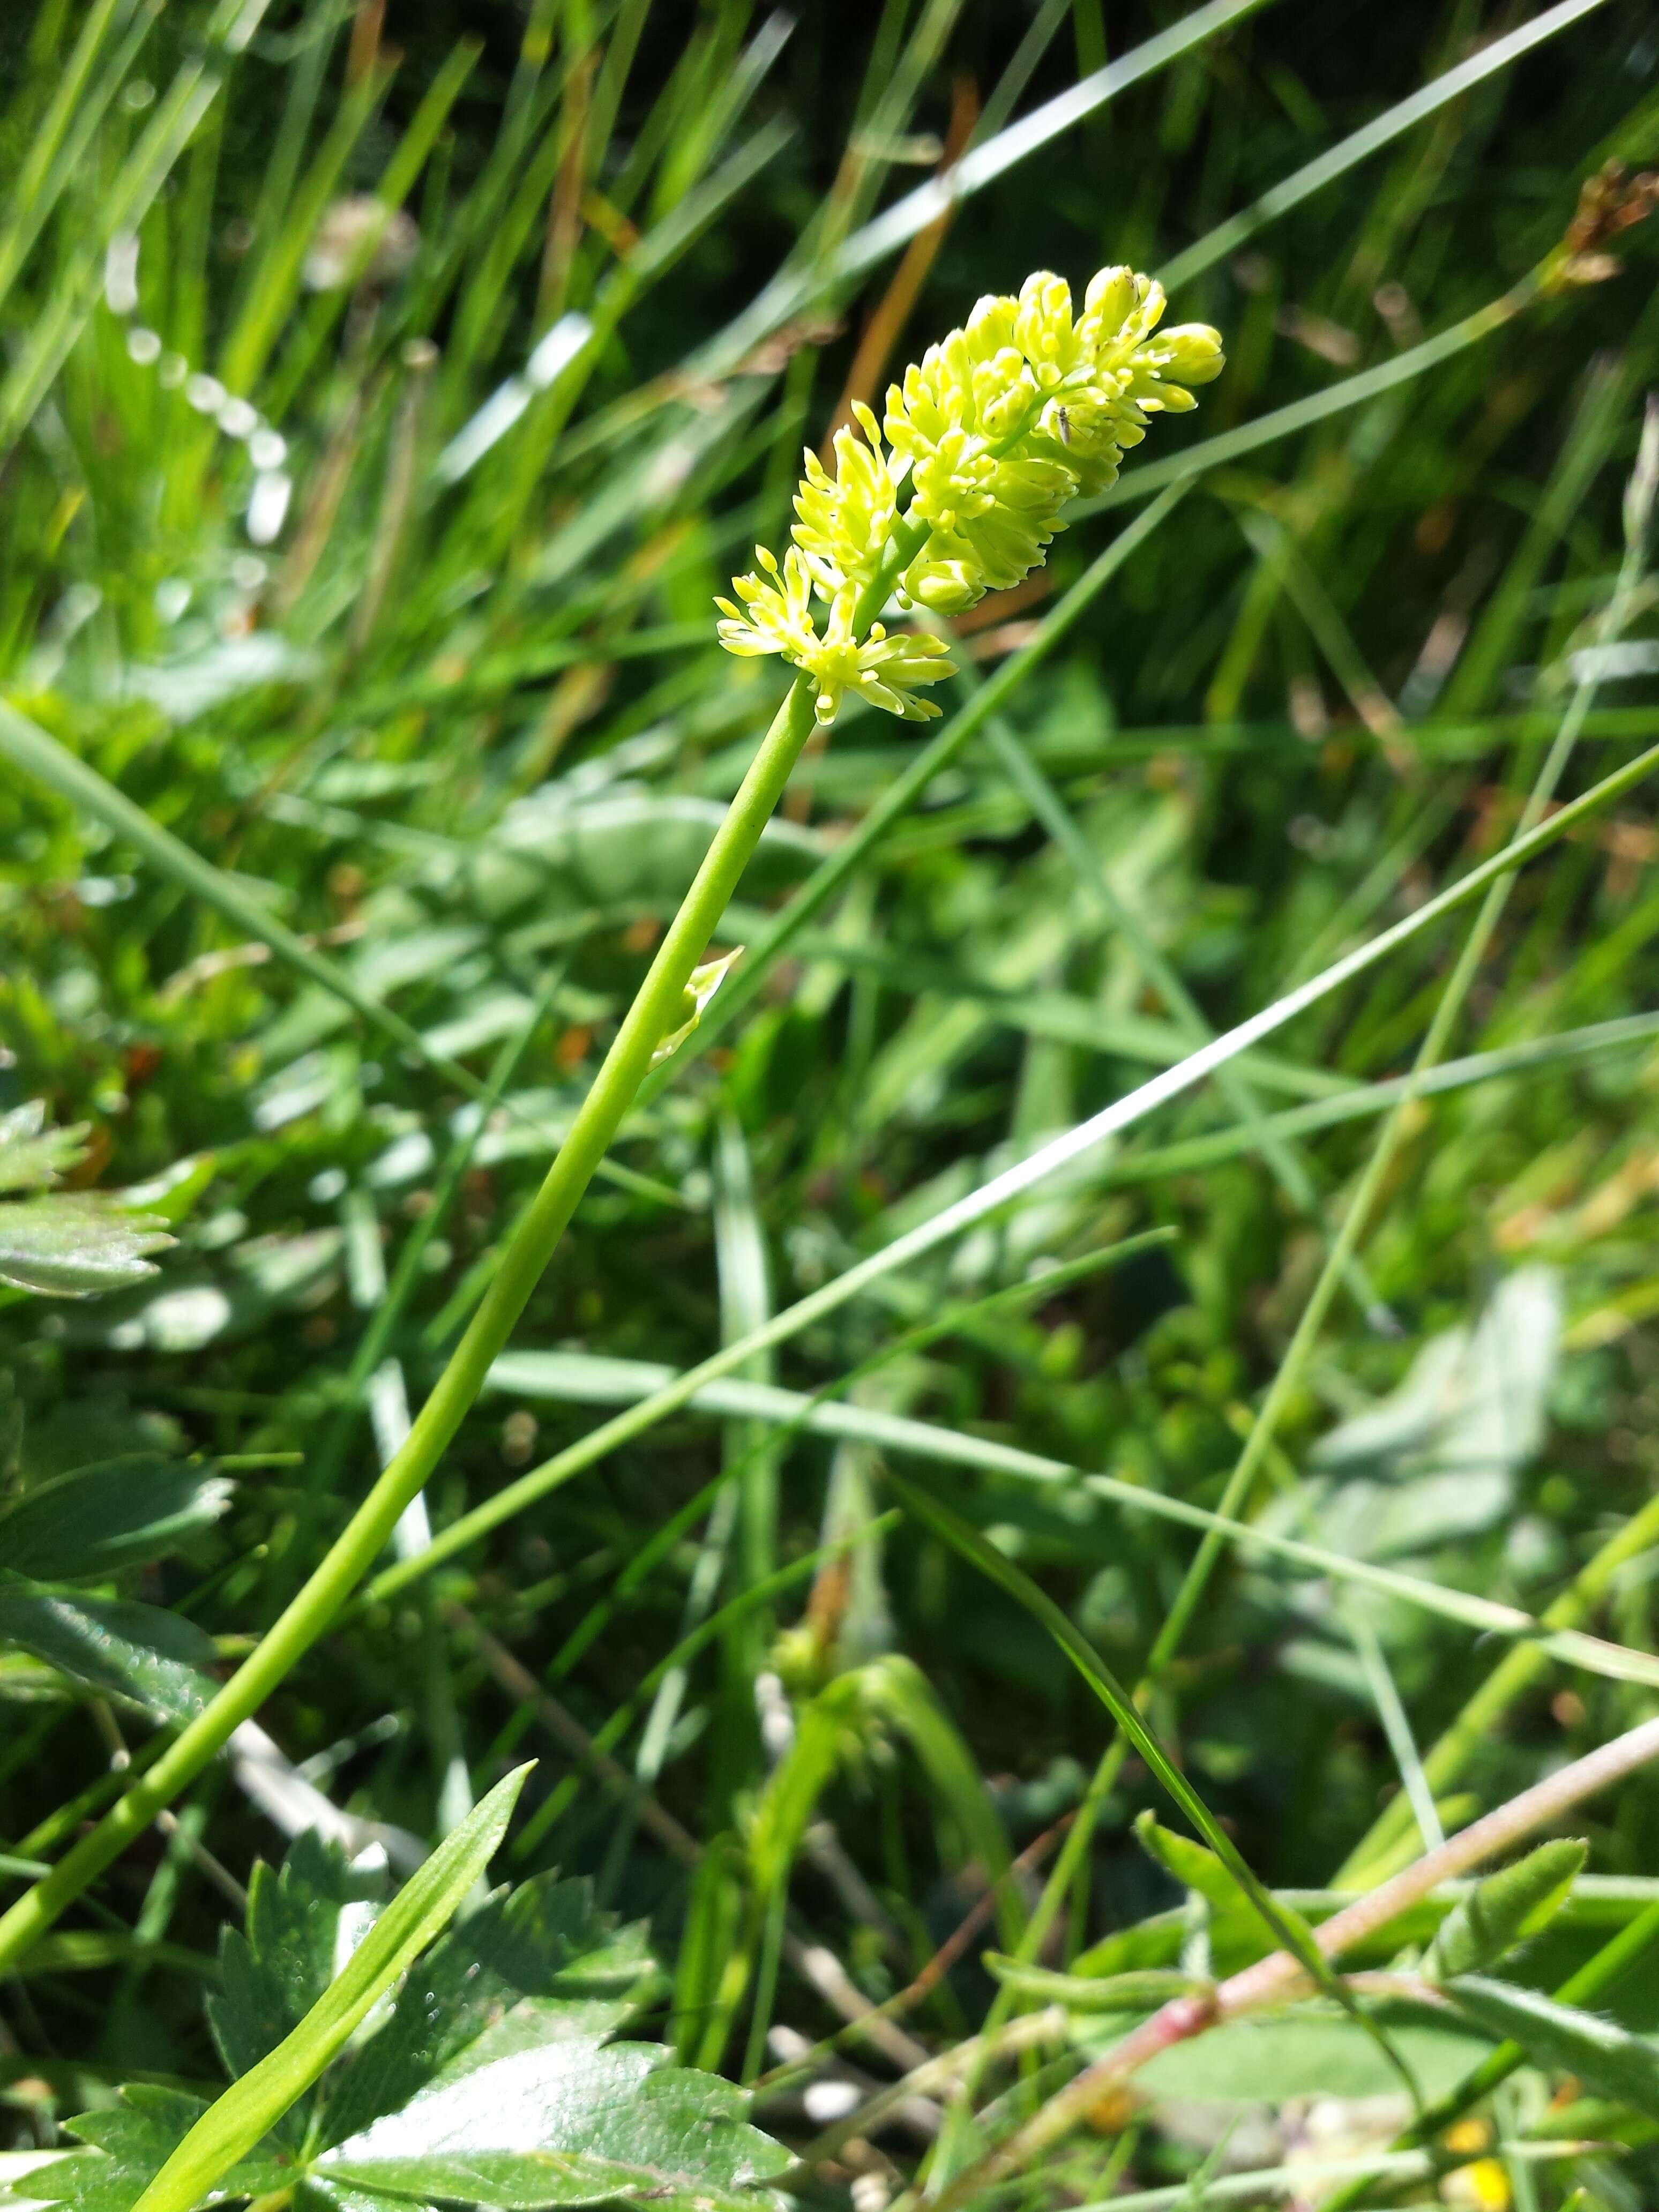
{"type": "Point", "coordinates": [992, 433]}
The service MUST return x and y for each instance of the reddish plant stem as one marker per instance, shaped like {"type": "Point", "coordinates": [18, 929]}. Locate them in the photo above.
{"type": "Point", "coordinates": [1275, 1980]}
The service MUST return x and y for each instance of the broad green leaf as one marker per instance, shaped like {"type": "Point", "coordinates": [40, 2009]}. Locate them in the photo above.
{"type": "Point", "coordinates": [1506, 1908]}
{"type": "Point", "coordinates": [618, 848]}
{"type": "Point", "coordinates": [535, 1965]}
{"type": "Point", "coordinates": [69, 1244]}
{"type": "Point", "coordinates": [112, 1645]}
{"type": "Point", "coordinates": [131, 2141]}
{"type": "Point", "coordinates": [234, 2125]}
{"type": "Point", "coordinates": [1606, 2058]}
{"type": "Point", "coordinates": [1308, 2051]}
{"type": "Point", "coordinates": [1438, 1459]}
{"type": "Point", "coordinates": [572, 2123]}
{"type": "Point", "coordinates": [100, 1517]}
{"type": "Point", "coordinates": [33, 1157]}
{"type": "Point", "coordinates": [303, 1923]}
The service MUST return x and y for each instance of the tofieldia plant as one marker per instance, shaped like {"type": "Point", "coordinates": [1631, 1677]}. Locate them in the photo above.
{"type": "Point", "coordinates": [992, 432]}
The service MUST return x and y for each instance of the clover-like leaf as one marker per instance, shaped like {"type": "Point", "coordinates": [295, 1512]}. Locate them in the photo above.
{"type": "Point", "coordinates": [68, 1244]}
{"type": "Point", "coordinates": [129, 2144]}
{"type": "Point", "coordinates": [536, 1964]}
{"type": "Point", "coordinates": [97, 1518]}
{"type": "Point", "coordinates": [491, 2080]}
{"type": "Point", "coordinates": [271, 2096]}
{"type": "Point", "coordinates": [302, 1926]}
{"type": "Point", "coordinates": [33, 1157]}
{"type": "Point", "coordinates": [119, 1648]}
{"type": "Point", "coordinates": [572, 2123]}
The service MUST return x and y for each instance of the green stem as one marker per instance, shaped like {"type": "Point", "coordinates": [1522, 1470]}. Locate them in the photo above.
{"type": "Point", "coordinates": [654, 1012]}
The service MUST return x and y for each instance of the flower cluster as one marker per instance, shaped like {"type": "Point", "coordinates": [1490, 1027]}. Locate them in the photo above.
{"type": "Point", "coordinates": [992, 432]}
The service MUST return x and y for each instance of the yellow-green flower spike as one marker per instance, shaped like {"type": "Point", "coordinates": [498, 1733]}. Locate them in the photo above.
{"type": "Point", "coordinates": [991, 434]}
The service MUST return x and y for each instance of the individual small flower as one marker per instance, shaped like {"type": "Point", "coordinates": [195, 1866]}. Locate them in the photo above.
{"type": "Point", "coordinates": [776, 613]}
{"type": "Point", "coordinates": [776, 617]}
{"type": "Point", "coordinates": [847, 519]}
{"type": "Point", "coordinates": [882, 669]}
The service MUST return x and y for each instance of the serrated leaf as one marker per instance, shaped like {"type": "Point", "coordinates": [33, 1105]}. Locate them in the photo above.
{"type": "Point", "coordinates": [303, 1923]}
{"type": "Point", "coordinates": [1609, 2058]}
{"type": "Point", "coordinates": [98, 1518]}
{"type": "Point", "coordinates": [129, 2142]}
{"type": "Point", "coordinates": [232, 2125]}
{"type": "Point", "coordinates": [1506, 1908]}
{"type": "Point", "coordinates": [535, 1965]}
{"type": "Point", "coordinates": [33, 1157]}
{"type": "Point", "coordinates": [112, 1645]}
{"type": "Point", "coordinates": [68, 1244]}
{"type": "Point", "coordinates": [571, 2123]}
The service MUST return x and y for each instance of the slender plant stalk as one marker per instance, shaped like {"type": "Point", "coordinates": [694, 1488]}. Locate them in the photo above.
{"type": "Point", "coordinates": [324, 1465]}
{"type": "Point", "coordinates": [656, 1011]}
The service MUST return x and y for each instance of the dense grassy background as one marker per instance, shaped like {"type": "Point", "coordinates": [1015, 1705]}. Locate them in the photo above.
{"type": "Point", "coordinates": [460, 722]}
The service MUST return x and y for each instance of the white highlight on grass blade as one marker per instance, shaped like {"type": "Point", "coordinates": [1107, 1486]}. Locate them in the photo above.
{"type": "Point", "coordinates": [554, 353]}
{"type": "Point", "coordinates": [121, 273]}
{"type": "Point", "coordinates": [268, 506]}
{"type": "Point", "coordinates": [1607, 664]}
